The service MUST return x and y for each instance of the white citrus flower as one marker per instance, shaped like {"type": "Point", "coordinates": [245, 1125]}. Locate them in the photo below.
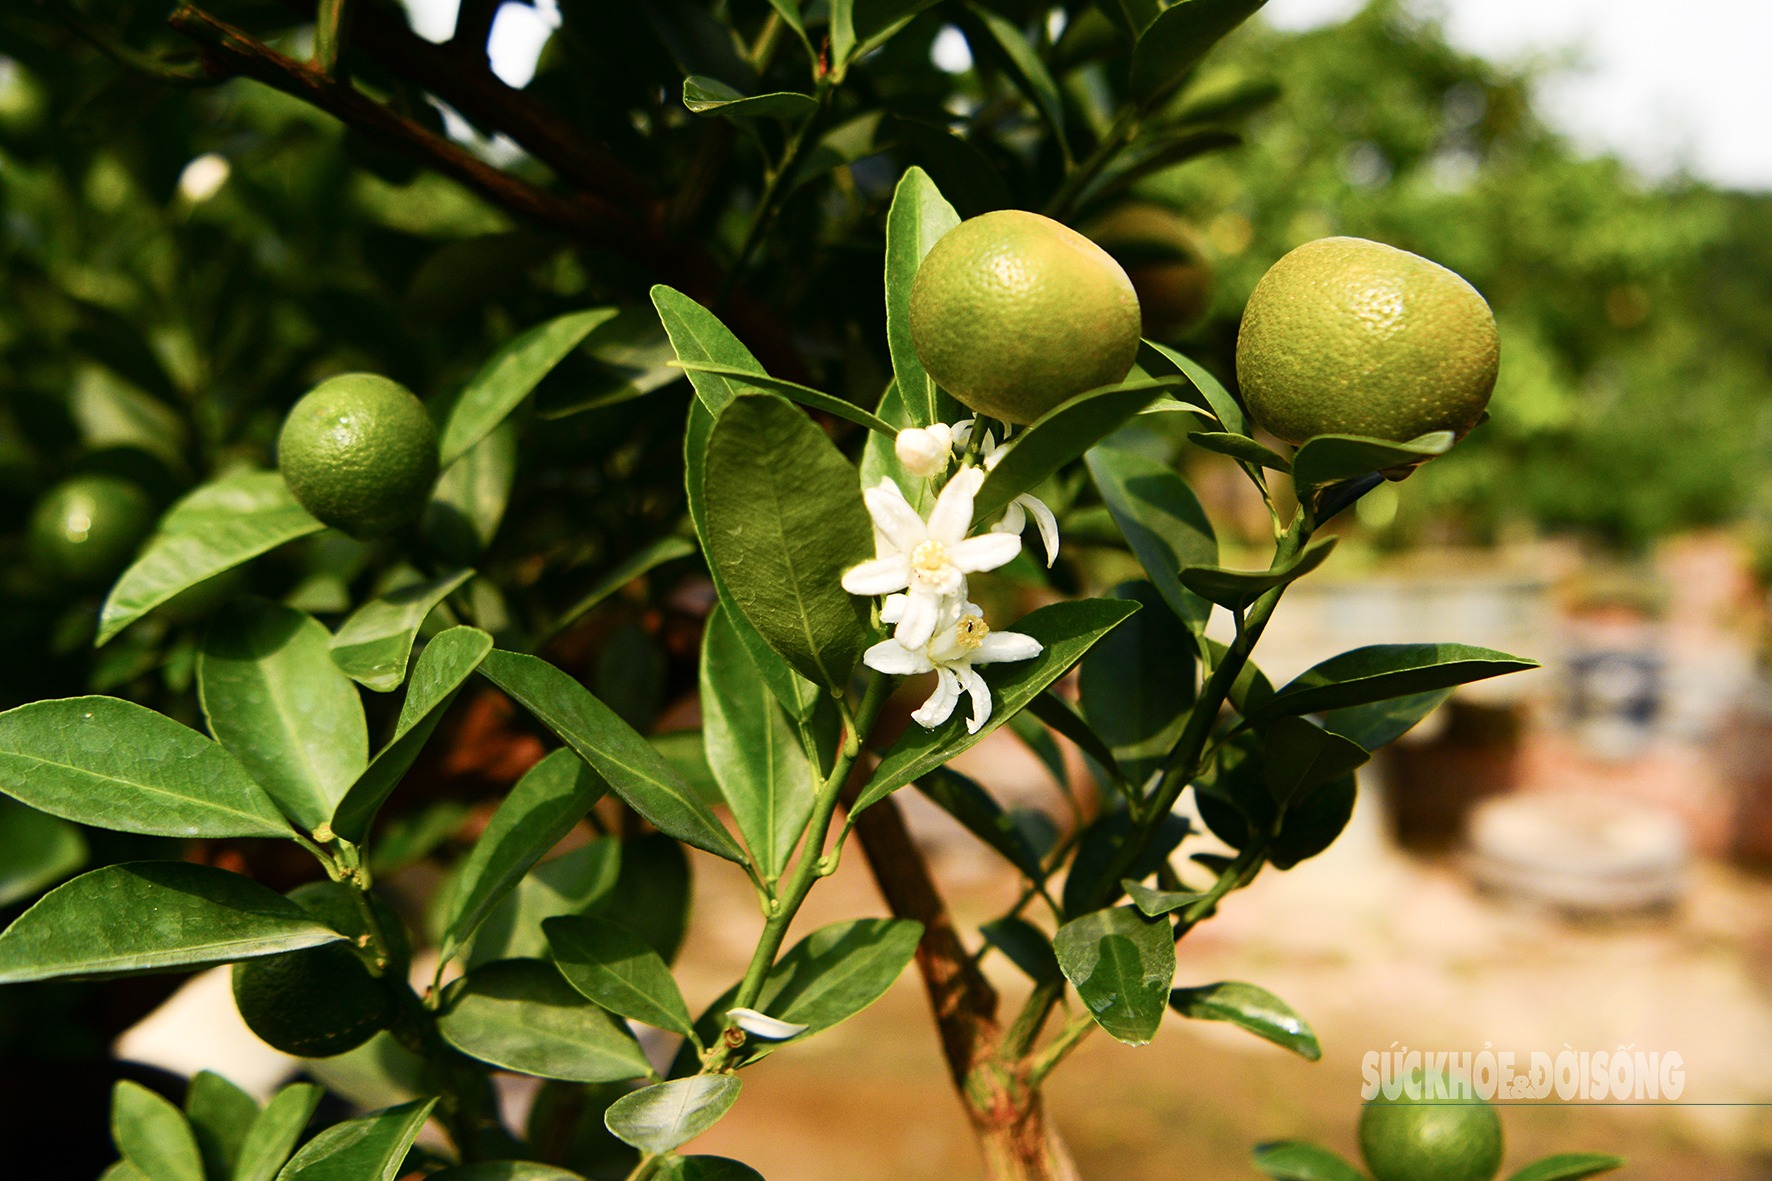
{"type": "Point", "coordinates": [924, 451]}
{"type": "Point", "coordinates": [963, 641]}
{"type": "Point", "coordinates": [1015, 518]}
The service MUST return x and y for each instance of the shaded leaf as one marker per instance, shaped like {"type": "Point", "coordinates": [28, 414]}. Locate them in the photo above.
{"type": "Point", "coordinates": [657, 553]}
{"type": "Point", "coordinates": [659, 1118]}
{"type": "Point", "coordinates": [153, 1135]}
{"type": "Point", "coordinates": [1298, 1160]}
{"type": "Point", "coordinates": [36, 850]}
{"type": "Point", "coordinates": [651, 894]}
{"type": "Point", "coordinates": [1383, 671]}
{"type": "Point", "coordinates": [793, 390]}
{"type": "Point", "coordinates": [523, 1016]}
{"type": "Point", "coordinates": [983, 817]}
{"type": "Point", "coordinates": [370, 1148]}
{"type": "Point", "coordinates": [1086, 886]}
{"type": "Point", "coordinates": [1058, 713]}
{"type": "Point", "coordinates": [1121, 965]}
{"type": "Point", "coordinates": [1025, 945]}
{"type": "Point", "coordinates": [1236, 589]}
{"type": "Point", "coordinates": [507, 377]}
{"type": "Point", "coordinates": [1157, 902]}
{"type": "Point", "coordinates": [1027, 69]}
{"type": "Point", "coordinates": [1326, 459]}
{"type": "Point", "coordinates": [572, 883]}
{"type": "Point", "coordinates": [1312, 824]}
{"type": "Point", "coordinates": [468, 501]}
{"type": "Point", "coordinates": [372, 646]}
{"type": "Point", "coordinates": [697, 335]}
{"type": "Point", "coordinates": [1163, 522]}
{"type": "Point", "coordinates": [1176, 41]}
{"type": "Point", "coordinates": [918, 218]}
{"type": "Point", "coordinates": [614, 967]}
{"type": "Point", "coordinates": [1299, 757]}
{"type": "Point", "coordinates": [1208, 392]}
{"type": "Point", "coordinates": [710, 96]}
{"type": "Point", "coordinates": [274, 1132]}
{"type": "Point", "coordinates": [1254, 1009]}
{"type": "Point", "coordinates": [1137, 685]}
{"type": "Point", "coordinates": [221, 1114]}
{"type": "Point", "coordinates": [1569, 1166]}
{"type": "Point", "coordinates": [707, 1168]}
{"type": "Point", "coordinates": [1380, 723]}
{"type": "Point", "coordinates": [1240, 447]}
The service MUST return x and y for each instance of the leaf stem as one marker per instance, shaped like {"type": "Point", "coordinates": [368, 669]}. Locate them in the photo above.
{"type": "Point", "coordinates": [1069, 1038]}
{"type": "Point", "coordinates": [1026, 1027]}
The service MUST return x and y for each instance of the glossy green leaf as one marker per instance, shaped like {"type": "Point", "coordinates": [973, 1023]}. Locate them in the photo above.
{"type": "Point", "coordinates": [710, 96]}
{"type": "Point", "coordinates": [983, 817]}
{"type": "Point", "coordinates": [1240, 447]}
{"type": "Point", "coordinates": [114, 764]}
{"type": "Point", "coordinates": [697, 335]}
{"type": "Point", "coordinates": [764, 772]}
{"type": "Point", "coordinates": [707, 1168]}
{"type": "Point", "coordinates": [521, 1015]}
{"type": "Point", "coordinates": [275, 700]}
{"type": "Point", "coordinates": [617, 969]}
{"type": "Point", "coordinates": [1162, 520]}
{"type": "Point", "coordinates": [1061, 435]}
{"type": "Point", "coordinates": [370, 1148]}
{"type": "Point", "coordinates": [215, 528]}
{"type": "Point", "coordinates": [468, 503]}
{"type": "Point", "coordinates": [1087, 887]}
{"type": "Point", "coordinates": [153, 1135]}
{"type": "Point", "coordinates": [837, 971]}
{"type": "Point", "coordinates": [633, 769]}
{"type": "Point", "coordinates": [1380, 723]}
{"type": "Point", "coordinates": [509, 375]}
{"type": "Point", "coordinates": [1063, 717]}
{"type": "Point", "coordinates": [1569, 1166]}
{"type": "Point", "coordinates": [1029, 72]}
{"type": "Point", "coordinates": [918, 218]}
{"type": "Point", "coordinates": [842, 32]}
{"type": "Point", "coordinates": [659, 1118]}
{"type": "Point", "coordinates": [1176, 41]}
{"type": "Point", "coordinates": [504, 1170]}
{"type": "Point", "coordinates": [651, 894]}
{"type": "Point", "coordinates": [1137, 685]}
{"type": "Point", "coordinates": [272, 1136]}
{"type": "Point", "coordinates": [790, 15]}
{"type": "Point", "coordinates": [1156, 153]}
{"type": "Point", "coordinates": [572, 883]}
{"type": "Point", "coordinates": [1312, 824]}
{"type": "Point", "coordinates": [122, 1170]}
{"type": "Point", "coordinates": [447, 661]}
{"type": "Point", "coordinates": [220, 1114]}
{"type": "Point", "coordinates": [1034, 735]}
{"type": "Point", "coordinates": [551, 797]}
{"type": "Point", "coordinates": [1254, 1009]}
{"type": "Point", "coordinates": [1065, 630]}
{"type": "Point", "coordinates": [1383, 671]}
{"type": "Point", "coordinates": [1207, 392]}
{"type": "Point", "coordinates": [1132, 17]}
{"type": "Point", "coordinates": [1236, 589]}
{"type": "Point", "coordinates": [1121, 964]}
{"type": "Point", "coordinates": [1298, 757]}
{"type": "Point", "coordinates": [1157, 902]}
{"type": "Point", "coordinates": [1327, 459]}
{"type": "Point", "coordinates": [152, 916]}
{"type": "Point", "coordinates": [793, 390]}
{"type": "Point", "coordinates": [379, 1073]}
{"type": "Point", "coordinates": [656, 553]}
{"type": "Point", "coordinates": [1025, 945]}
{"type": "Point", "coordinates": [36, 850]}
{"type": "Point", "coordinates": [1298, 1160]}
{"type": "Point", "coordinates": [373, 645]}
{"type": "Point", "coordinates": [785, 520]}
{"type": "Point", "coordinates": [877, 21]}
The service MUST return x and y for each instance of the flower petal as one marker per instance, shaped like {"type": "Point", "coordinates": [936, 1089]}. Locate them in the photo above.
{"type": "Point", "coordinates": [1015, 519]}
{"type": "Point", "coordinates": [987, 551]}
{"type": "Point", "coordinates": [981, 696]}
{"type": "Point", "coordinates": [762, 1025]}
{"type": "Point", "coordinates": [1045, 520]}
{"type": "Point", "coordinates": [940, 706]}
{"type": "Point", "coordinates": [922, 611]}
{"type": "Point", "coordinates": [894, 659]}
{"type": "Point", "coordinates": [952, 516]}
{"type": "Point", "coordinates": [894, 516]}
{"type": "Point", "coordinates": [892, 610]}
{"type": "Point", "coordinates": [1000, 646]}
{"type": "Point", "coordinates": [879, 576]}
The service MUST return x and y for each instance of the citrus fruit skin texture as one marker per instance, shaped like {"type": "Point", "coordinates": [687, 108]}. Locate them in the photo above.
{"type": "Point", "coordinates": [88, 528]}
{"type": "Point", "coordinates": [1012, 313]}
{"type": "Point", "coordinates": [1166, 261]}
{"type": "Point", "coordinates": [360, 453]}
{"type": "Point", "coordinates": [321, 1001]}
{"type": "Point", "coordinates": [1346, 336]}
{"type": "Point", "coordinates": [1405, 1141]}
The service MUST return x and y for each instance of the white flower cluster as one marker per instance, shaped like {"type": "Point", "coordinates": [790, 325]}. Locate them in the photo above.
{"type": "Point", "coordinates": [921, 566]}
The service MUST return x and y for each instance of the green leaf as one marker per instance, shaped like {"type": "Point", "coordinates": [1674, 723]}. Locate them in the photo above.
{"type": "Point", "coordinates": [757, 757]}
{"type": "Point", "coordinates": [507, 377]}
{"type": "Point", "coordinates": [660, 1117]}
{"type": "Point", "coordinates": [1027, 69]}
{"type": "Point", "coordinates": [1157, 902]}
{"type": "Point", "coordinates": [614, 967]}
{"type": "Point", "coordinates": [1298, 1160]}
{"type": "Point", "coordinates": [1137, 684]}
{"type": "Point", "coordinates": [1383, 671]}
{"type": "Point", "coordinates": [379, 1073]}
{"type": "Point", "coordinates": [370, 1148]}
{"type": "Point", "coordinates": [1254, 1009]}
{"type": "Point", "coordinates": [504, 1170]}
{"type": "Point", "coordinates": [373, 645]}
{"type": "Point", "coordinates": [1240, 447]}
{"type": "Point", "coordinates": [152, 916]}
{"type": "Point", "coordinates": [697, 335]}
{"type": "Point", "coordinates": [1161, 519]}
{"type": "Point", "coordinates": [114, 764]}
{"type": "Point", "coordinates": [983, 817]}
{"type": "Point", "coordinates": [1328, 459]}
{"type": "Point", "coordinates": [153, 1135]}
{"type": "Point", "coordinates": [805, 395]}
{"type": "Point", "coordinates": [1569, 1166]}
{"type": "Point", "coordinates": [221, 1114]}
{"type": "Point", "coordinates": [707, 1168]}
{"type": "Point", "coordinates": [842, 32]}
{"type": "Point", "coordinates": [1058, 713]}
{"type": "Point", "coordinates": [215, 528]}
{"type": "Point", "coordinates": [1236, 589]}
{"type": "Point", "coordinates": [468, 502]}
{"type": "Point", "coordinates": [272, 1135]}
{"type": "Point", "coordinates": [630, 764]}
{"type": "Point", "coordinates": [1062, 434]}
{"type": "Point", "coordinates": [1034, 735]}
{"type": "Point", "coordinates": [521, 1015]}
{"type": "Point", "coordinates": [651, 893]}
{"type": "Point", "coordinates": [879, 456]}
{"type": "Point", "coordinates": [445, 664]}
{"type": "Point", "coordinates": [1065, 630]}
{"type": "Point", "coordinates": [710, 96]}
{"type": "Point", "coordinates": [918, 218]}
{"type": "Point", "coordinates": [1100, 847]}
{"type": "Point", "coordinates": [1026, 946]}
{"type": "Point", "coordinates": [1380, 723]}
{"type": "Point", "coordinates": [785, 520]}
{"type": "Point", "coordinates": [1122, 965]}
{"type": "Point", "coordinates": [572, 883]}
{"type": "Point", "coordinates": [877, 21]}
{"type": "Point", "coordinates": [1208, 392]}
{"type": "Point", "coordinates": [275, 700]}
{"type": "Point", "coordinates": [1299, 757]}
{"type": "Point", "coordinates": [790, 14]}
{"type": "Point", "coordinates": [1312, 824]}
{"type": "Point", "coordinates": [1131, 16]}
{"type": "Point", "coordinates": [551, 797]}
{"type": "Point", "coordinates": [35, 851]}
{"type": "Point", "coordinates": [657, 553]}
{"type": "Point", "coordinates": [1177, 40]}
{"type": "Point", "coordinates": [122, 1170]}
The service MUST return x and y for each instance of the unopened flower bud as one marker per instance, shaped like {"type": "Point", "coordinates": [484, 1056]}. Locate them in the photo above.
{"type": "Point", "coordinates": [924, 451]}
